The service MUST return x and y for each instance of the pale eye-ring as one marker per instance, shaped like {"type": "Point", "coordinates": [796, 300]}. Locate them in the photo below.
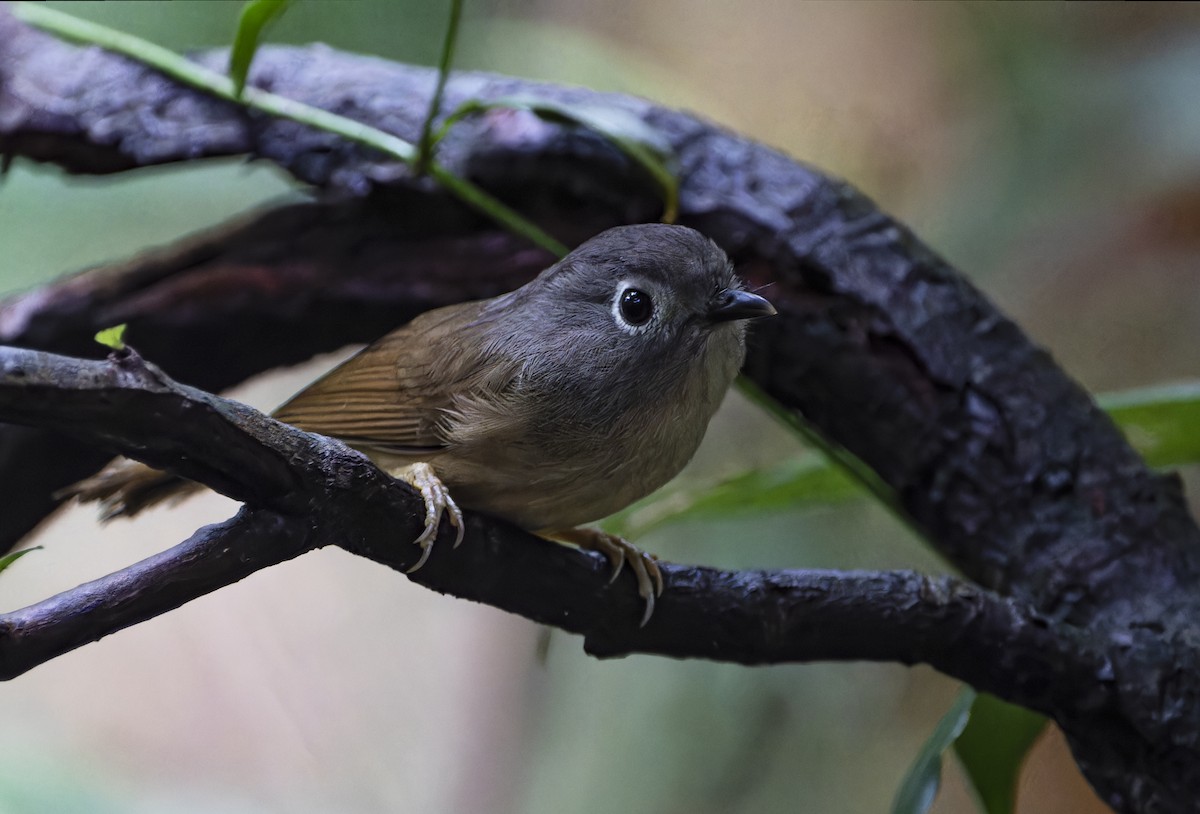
{"type": "Point", "coordinates": [636, 306]}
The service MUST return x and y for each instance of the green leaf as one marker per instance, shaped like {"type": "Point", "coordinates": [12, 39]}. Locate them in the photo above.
{"type": "Point", "coordinates": [921, 784]}
{"type": "Point", "coordinates": [1162, 423]}
{"type": "Point", "coordinates": [113, 337]}
{"type": "Point", "coordinates": [993, 747]}
{"type": "Point", "coordinates": [838, 456]}
{"type": "Point", "coordinates": [801, 482]}
{"type": "Point", "coordinates": [11, 557]}
{"type": "Point", "coordinates": [647, 147]}
{"type": "Point", "coordinates": [256, 16]}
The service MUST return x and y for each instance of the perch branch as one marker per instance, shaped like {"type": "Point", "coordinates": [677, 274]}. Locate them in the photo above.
{"type": "Point", "coordinates": [304, 491]}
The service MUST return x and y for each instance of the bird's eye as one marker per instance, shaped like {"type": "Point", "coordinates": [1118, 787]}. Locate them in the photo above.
{"type": "Point", "coordinates": [636, 306]}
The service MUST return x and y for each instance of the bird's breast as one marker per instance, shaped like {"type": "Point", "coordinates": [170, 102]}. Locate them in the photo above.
{"type": "Point", "coordinates": [547, 460]}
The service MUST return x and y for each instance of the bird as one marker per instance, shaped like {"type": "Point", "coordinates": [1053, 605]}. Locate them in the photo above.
{"type": "Point", "coordinates": [551, 406]}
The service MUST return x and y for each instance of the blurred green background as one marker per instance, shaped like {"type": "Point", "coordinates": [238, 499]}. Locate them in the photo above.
{"type": "Point", "coordinates": [1051, 152]}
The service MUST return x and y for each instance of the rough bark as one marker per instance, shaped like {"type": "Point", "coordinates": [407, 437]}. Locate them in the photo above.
{"type": "Point", "coordinates": [304, 491]}
{"type": "Point", "coordinates": [1086, 562]}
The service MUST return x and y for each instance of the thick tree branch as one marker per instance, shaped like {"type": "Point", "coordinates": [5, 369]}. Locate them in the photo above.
{"type": "Point", "coordinates": [303, 491]}
{"type": "Point", "coordinates": [1005, 462]}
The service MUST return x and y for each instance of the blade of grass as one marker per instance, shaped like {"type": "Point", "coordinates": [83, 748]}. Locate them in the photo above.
{"type": "Point", "coordinates": [426, 143]}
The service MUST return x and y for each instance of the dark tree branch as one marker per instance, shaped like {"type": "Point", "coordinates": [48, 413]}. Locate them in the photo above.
{"type": "Point", "coordinates": [1006, 464]}
{"type": "Point", "coordinates": [307, 490]}
{"type": "Point", "coordinates": [215, 556]}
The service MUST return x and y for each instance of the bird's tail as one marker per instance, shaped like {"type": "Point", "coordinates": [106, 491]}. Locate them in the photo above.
{"type": "Point", "coordinates": [124, 487]}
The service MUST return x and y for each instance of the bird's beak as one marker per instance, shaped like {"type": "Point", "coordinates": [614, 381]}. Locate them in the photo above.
{"type": "Point", "coordinates": [733, 304]}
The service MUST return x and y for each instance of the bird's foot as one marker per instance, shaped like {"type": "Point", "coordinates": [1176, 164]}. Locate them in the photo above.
{"type": "Point", "coordinates": [619, 551]}
{"type": "Point", "coordinates": [421, 477]}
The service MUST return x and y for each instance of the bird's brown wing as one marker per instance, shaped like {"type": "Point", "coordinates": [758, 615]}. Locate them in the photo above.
{"type": "Point", "coordinates": [392, 395]}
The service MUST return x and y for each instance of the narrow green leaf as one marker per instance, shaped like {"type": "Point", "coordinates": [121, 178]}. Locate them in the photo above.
{"type": "Point", "coordinates": [426, 143]}
{"type": "Point", "coordinates": [802, 482]}
{"type": "Point", "coordinates": [11, 557]}
{"type": "Point", "coordinates": [113, 337]}
{"type": "Point", "coordinates": [993, 747]}
{"type": "Point", "coordinates": [1162, 423]}
{"type": "Point", "coordinates": [256, 16]}
{"type": "Point", "coordinates": [221, 86]}
{"type": "Point", "coordinates": [474, 196]}
{"type": "Point", "coordinates": [923, 780]}
{"type": "Point", "coordinates": [646, 146]}
{"type": "Point", "coordinates": [837, 455]}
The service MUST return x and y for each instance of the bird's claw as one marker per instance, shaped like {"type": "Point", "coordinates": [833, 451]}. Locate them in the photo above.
{"type": "Point", "coordinates": [618, 550]}
{"type": "Point", "coordinates": [421, 477]}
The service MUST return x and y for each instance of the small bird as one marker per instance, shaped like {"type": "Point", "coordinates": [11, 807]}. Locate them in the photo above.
{"type": "Point", "coordinates": [551, 406]}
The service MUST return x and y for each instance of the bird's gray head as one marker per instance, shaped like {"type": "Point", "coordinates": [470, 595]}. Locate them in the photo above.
{"type": "Point", "coordinates": [649, 286]}
{"type": "Point", "coordinates": [635, 306]}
